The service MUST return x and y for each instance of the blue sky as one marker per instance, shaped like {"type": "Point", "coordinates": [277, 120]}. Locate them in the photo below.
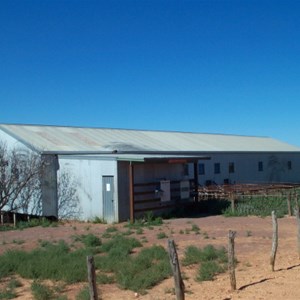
{"type": "Point", "coordinates": [229, 67]}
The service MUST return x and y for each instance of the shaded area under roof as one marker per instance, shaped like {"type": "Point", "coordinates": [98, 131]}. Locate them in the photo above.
{"type": "Point", "coordinates": [58, 139]}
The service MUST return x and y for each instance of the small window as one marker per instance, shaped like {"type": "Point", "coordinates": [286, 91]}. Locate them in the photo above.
{"type": "Point", "coordinates": [201, 170]}
{"type": "Point", "coordinates": [217, 168]}
{"type": "Point", "coordinates": [186, 170]}
{"type": "Point", "coordinates": [289, 165]}
{"type": "Point", "coordinates": [231, 167]}
{"type": "Point", "coordinates": [260, 166]}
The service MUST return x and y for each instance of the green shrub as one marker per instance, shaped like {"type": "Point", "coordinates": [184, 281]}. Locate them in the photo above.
{"type": "Point", "coordinates": [54, 261]}
{"type": "Point", "coordinates": [192, 256]}
{"type": "Point", "coordinates": [90, 240]}
{"type": "Point", "coordinates": [161, 235]}
{"type": "Point", "coordinates": [208, 270]}
{"type": "Point", "coordinates": [212, 260]}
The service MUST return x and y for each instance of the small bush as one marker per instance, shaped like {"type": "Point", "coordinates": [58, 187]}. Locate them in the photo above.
{"type": "Point", "coordinates": [208, 270]}
{"type": "Point", "coordinates": [161, 235]}
{"type": "Point", "coordinates": [212, 260]}
{"type": "Point", "coordinates": [90, 240]}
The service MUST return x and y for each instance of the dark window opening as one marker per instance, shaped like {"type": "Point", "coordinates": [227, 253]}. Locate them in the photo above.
{"type": "Point", "coordinates": [289, 165]}
{"type": "Point", "coordinates": [201, 169]}
{"type": "Point", "coordinates": [231, 167]}
{"type": "Point", "coordinates": [260, 166]}
{"type": "Point", "coordinates": [217, 167]}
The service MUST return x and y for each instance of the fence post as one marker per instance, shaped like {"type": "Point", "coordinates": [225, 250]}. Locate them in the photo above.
{"type": "Point", "coordinates": [274, 240]}
{"type": "Point", "coordinates": [297, 214]}
{"type": "Point", "coordinates": [289, 204]}
{"type": "Point", "coordinates": [92, 278]}
{"type": "Point", "coordinates": [2, 218]}
{"type": "Point", "coordinates": [232, 200]}
{"type": "Point", "coordinates": [179, 285]}
{"type": "Point", "coordinates": [231, 263]}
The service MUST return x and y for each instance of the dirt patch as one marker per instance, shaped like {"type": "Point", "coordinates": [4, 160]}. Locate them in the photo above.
{"type": "Point", "coordinates": [253, 247]}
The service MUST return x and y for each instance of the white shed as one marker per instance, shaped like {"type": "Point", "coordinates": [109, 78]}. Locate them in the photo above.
{"type": "Point", "coordinates": [123, 173]}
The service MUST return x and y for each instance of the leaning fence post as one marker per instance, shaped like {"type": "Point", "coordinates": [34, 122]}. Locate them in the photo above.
{"type": "Point", "coordinates": [274, 240]}
{"type": "Point", "coordinates": [179, 285]}
{"type": "Point", "coordinates": [231, 262]}
{"type": "Point", "coordinates": [92, 278]}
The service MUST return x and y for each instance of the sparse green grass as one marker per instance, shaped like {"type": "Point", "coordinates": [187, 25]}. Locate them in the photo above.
{"type": "Point", "coordinates": [98, 220]}
{"type": "Point", "coordinates": [161, 235]}
{"type": "Point", "coordinates": [18, 242]}
{"type": "Point", "coordinates": [8, 292]}
{"type": "Point", "coordinates": [148, 221]}
{"type": "Point", "coordinates": [53, 261]}
{"type": "Point", "coordinates": [105, 279]}
{"type": "Point", "coordinates": [212, 261]}
{"type": "Point", "coordinates": [208, 270]}
{"type": "Point", "coordinates": [137, 273]}
{"type": "Point", "coordinates": [84, 294]}
{"type": "Point", "coordinates": [89, 240]}
{"type": "Point", "coordinates": [195, 228]}
{"type": "Point", "coordinates": [111, 229]}
{"type": "Point", "coordinates": [259, 206]}
{"type": "Point", "coordinates": [248, 233]}
{"type": "Point", "coordinates": [41, 291]}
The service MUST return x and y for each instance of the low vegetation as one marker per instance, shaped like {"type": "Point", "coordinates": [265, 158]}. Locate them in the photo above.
{"type": "Point", "coordinates": [211, 261]}
{"type": "Point", "coordinates": [259, 206]}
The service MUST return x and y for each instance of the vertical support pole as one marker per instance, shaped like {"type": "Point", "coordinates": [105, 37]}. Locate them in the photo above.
{"type": "Point", "coordinates": [2, 218]}
{"type": "Point", "coordinates": [179, 285]}
{"type": "Point", "coordinates": [289, 204]}
{"type": "Point", "coordinates": [274, 240]}
{"type": "Point", "coordinates": [196, 181]}
{"type": "Point", "coordinates": [131, 191]}
{"type": "Point", "coordinates": [92, 278]}
{"type": "Point", "coordinates": [231, 263]}
{"type": "Point", "coordinates": [15, 219]}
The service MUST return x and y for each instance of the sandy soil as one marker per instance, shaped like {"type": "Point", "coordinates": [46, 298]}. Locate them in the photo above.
{"type": "Point", "coordinates": [255, 280]}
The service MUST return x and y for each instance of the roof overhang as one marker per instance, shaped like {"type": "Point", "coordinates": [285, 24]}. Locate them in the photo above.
{"type": "Point", "coordinates": [169, 159]}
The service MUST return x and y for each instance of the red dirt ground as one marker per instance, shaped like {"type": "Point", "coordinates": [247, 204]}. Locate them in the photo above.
{"type": "Point", "coordinates": [255, 280]}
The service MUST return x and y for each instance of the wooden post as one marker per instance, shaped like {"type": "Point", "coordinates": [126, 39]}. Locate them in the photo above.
{"type": "Point", "coordinates": [232, 200]}
{"type": "Point", "coordinates": [196, 181]}
{"type": "Point", "coordinates": [296, 201]}
{"type": "Point", "coordinates": [289, 204]}
{"type": "Point", "coordinates": [179, 285]}
{"type": "Point", "coordinates": [131, 191]}
{"type": "Point", "coordinates": [231, 263]}
{"type": "Point", "coordinates": [15, 219]}
{"type": "Point", "coordinates": [2, 218]}
{"type": "Point", "coordinates": [274, 240]}
{"type": "Point", "coordinates": [297, 214]}
{"type": "Point", "coordinates": [92, 278]}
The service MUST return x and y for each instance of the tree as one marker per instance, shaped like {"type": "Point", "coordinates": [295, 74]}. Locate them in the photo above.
{"type": "Point", "coordinates": [68, 200]}
{"type": "Point", "coordinates": [19, 181]}
{"type": "Point", "coordinates": [20, 184]}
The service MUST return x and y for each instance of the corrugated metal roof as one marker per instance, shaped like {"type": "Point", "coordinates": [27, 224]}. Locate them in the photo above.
{"type": "Point", "coordinates": [75, 139]}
